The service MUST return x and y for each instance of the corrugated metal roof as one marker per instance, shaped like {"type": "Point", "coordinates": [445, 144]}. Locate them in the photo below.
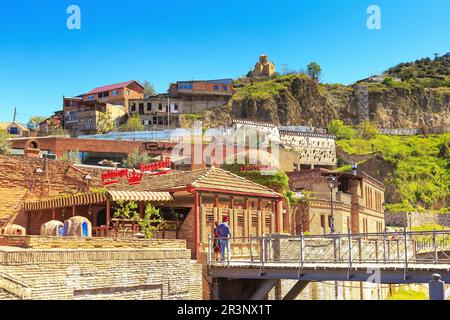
{"type": "Point", "coordinates": [112, 87]}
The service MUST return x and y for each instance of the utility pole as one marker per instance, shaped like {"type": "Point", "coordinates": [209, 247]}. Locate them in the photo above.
{"type": "Point", "coordinates": [15, 112]}
{"type": "Point", "coordinates": [168, 112]}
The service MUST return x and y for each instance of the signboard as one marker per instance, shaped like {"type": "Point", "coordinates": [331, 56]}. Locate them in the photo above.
{"type": "Point", "coordinates": [134, 177]}
{"type": "Point", "coordinates": [258, 168]}
{"type": "Point", "coordinates": [157, 148]}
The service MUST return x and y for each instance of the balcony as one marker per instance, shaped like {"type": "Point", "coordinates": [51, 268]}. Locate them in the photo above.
{"type": "Point", "coordinates": [177, 91]}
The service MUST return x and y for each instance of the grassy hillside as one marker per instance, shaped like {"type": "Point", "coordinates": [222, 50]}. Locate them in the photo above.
{"type": "Point", "coordinates": [432, 73]}
{"type": "Point", "coordinates": [422, 168]}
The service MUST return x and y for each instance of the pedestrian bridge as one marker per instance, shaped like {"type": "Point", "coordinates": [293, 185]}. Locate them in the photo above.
{"type": "Point", "coordinates": [390, 258]}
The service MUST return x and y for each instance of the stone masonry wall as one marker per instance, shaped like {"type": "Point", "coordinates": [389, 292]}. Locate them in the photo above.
{"type": "Point", "coordinates": [417, 219]}
{"type": "Point", "coordinates": [159, 270]}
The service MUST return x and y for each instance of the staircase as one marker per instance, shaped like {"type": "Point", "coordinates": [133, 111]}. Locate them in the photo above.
{"type": "Point", "coordinates": [14, 287]}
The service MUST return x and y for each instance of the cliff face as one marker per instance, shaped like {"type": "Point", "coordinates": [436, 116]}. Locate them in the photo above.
{"type": "Point", "coordinates": [298, 100]}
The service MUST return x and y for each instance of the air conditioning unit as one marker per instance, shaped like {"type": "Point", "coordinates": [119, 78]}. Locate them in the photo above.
{"type": "Point", "coordinates": [49, 156]}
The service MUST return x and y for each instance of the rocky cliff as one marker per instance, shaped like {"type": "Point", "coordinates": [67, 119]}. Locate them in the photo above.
{"type": "Point", "coordinates": [299, 100]}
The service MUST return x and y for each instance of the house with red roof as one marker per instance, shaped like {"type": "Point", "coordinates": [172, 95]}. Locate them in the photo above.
{"type": "Point", "coordinates": [117, 94]}
{"type": "Point", "coordinates": [82, 114]}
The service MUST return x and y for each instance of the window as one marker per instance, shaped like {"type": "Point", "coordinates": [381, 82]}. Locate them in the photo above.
{"type": "Point", "coordinates": [133, 107]}
{"type": "Point", "coordinates": [216, 88]}
{"type": "Point", "coordinates": [224, 88]}
{"type": "Point", "coordinates": [149, 106]}
{"type": "Point", "coordinates": [115, 92]}
{"type": "Point", "coordinates": [90, 98]}
{"type": "Point", "coordinates": [14, 130]}
{"type": "Point", "coordinates": [322, 221]}
{"type": "Point", "coordinates": [103, 94]}
{"type": "Point", "coordinates": [175, 107]}
{"type": "Point", "coordinates": [128, 92]}
{"type": "Point", "coordinates": [141, 108]}
{"type": "Point", "coordinates": [185, 86]}
{"type": "Point", "coordinates": [329, 221]}
{"type": "Point", "coordinates": [160, 106]}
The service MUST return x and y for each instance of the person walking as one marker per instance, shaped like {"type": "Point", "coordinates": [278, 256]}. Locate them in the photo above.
{"type": "Point", "coordinates": [224, 233]}
{"type": "Point", "coordinates": [216, 243]}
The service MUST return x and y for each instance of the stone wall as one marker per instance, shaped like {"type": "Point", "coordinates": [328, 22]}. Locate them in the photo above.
{"type": "Point", "coordinates": [151, 269]}
{"type": "Point", "coordinates": [417, 219]}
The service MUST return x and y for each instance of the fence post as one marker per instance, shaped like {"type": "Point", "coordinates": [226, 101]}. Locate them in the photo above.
{"type": "Point", "coordinates": [349, 254]}
{"type": "Point", "coordinates": [251, 248]}
{"type": "Point", "coordinates": [302, 252]}
{"type": "Point", "coordinates": [339, 248]}
{"type": "Point", "coordinates": [350, 260]}
{"type": "Point", "coordinates": [436, 256]}
{"type": "Point", "coordinates": [269, 249]}
{"type": "Point", "coordinates": [384, 247]}
{"type": "Point", "coordinates": [360, 249]}
{"type": "Point", "coordinates": [405, 236]}
{"type": "Point", "coordinates": [263, 249]}
{"type": "Point", "coordinates": [209, 249]}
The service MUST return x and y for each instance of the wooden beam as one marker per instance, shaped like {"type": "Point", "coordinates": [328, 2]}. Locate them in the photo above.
{"type": "Point", "coordinates": [296, 290]}
{"type": "Point", "coordinates": [263, 290]}
{"type": "Point", "coordinates": [73, 211]}
{"type": "Point", "coordinates": [216, 201]}
{"type": "Point", "coordinates": [196, 203]}
{"type": "Point", "coordinates": [108, 212]}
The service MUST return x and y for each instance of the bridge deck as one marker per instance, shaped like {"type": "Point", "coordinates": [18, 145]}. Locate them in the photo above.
{"type": "Point", "coordinates": [362, 272]}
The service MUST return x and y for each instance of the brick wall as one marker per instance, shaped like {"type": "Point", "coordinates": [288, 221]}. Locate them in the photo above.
{"type": "Point", "coordinates": [17, 176]}
{"type": "Point", "coordinates": [60, 145]}
{"type": "Point", "coordinates": [162, 270]}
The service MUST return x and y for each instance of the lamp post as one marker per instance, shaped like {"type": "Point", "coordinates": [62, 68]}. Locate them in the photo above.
{"type": "Point", "coordinates": [410, 222]}
{"type": "Point", "coordinates": [331, 184]}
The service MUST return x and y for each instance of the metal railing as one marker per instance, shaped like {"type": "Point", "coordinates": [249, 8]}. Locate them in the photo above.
{"type": "Point", "coordinates": [406, 248]}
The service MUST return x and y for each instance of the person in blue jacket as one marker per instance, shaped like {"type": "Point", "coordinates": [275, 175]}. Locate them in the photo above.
{"type": "Point", "coordinates": [224, 232]}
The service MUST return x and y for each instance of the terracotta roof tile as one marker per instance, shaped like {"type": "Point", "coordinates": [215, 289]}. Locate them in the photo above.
{"type": "Point", "coordinates": [209, 178]}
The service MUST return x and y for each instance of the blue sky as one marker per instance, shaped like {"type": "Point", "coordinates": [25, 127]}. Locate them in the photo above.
{"type": "Point", "coordinates": [164, 41]}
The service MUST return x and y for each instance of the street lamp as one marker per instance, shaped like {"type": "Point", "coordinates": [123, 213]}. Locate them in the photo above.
{"type": "Point", "coordinates": [410, 223]}
{"type": "Point", "coordinates": [331, 184]}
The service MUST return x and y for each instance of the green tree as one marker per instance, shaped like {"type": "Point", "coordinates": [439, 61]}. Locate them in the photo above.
{"type": "Point", "coordinates": [389, 81]}
{"type": "Point", "coordinates": [73, 156]}
{"type": "Point", "coordinates": [149, 89]}
{"type": "Point", "coordinates": [340, 130]}
{"type": "Point", "coordinates": [135, 158]}
{"type": "Point", "coordinates": [34, 122]}
{"type": "Point", "coordinates": [366, 130]}
{"type": "Point", "coordinates": [133, 123]}
{"type": "Point", "coordinates": [149, 224]}
{"type": "Point", "coordinates": [5, 144]}
{"type": "Point", "coordinates": [105, 122]}
{"type": "Point", "coordinates": [314, 71]}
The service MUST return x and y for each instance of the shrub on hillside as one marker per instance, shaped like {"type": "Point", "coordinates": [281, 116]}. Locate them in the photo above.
{"type": "Point", "coordinates": [341, 130]}
{"type": "Point", "coordinates": [132, 124]}
{"type": "Point", "coordinates": [366, 130]}
{"type": "Point", "coordinates": [5, 145]}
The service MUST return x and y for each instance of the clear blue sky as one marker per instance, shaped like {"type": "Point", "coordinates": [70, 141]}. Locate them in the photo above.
{"type": "Point", "coordinates": [164, 41]}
